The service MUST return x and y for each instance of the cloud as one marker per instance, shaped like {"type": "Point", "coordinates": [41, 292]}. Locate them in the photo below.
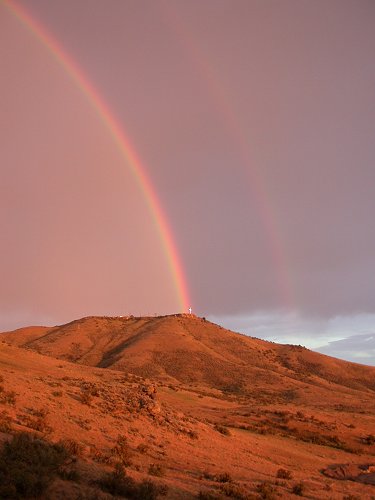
{"type": "Point", "coordinates": [357, 348]}
{"type": "Point", "coordinates": [349, 337]}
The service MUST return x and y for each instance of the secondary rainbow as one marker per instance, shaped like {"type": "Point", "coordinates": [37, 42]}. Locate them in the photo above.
{"type": "Point", "coordinates": [121, 140]}
{"type": "Point", "coordinates": [222, 100]}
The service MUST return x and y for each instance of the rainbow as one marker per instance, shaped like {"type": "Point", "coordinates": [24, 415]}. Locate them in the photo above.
{"type": "Point", "coordinates": [121, 140]}
{"type": "Point", "coordinates": [222, 101]}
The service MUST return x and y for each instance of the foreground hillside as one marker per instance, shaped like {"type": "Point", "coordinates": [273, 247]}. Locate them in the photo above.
{"type": "Point", "coordinates": [178, 406]}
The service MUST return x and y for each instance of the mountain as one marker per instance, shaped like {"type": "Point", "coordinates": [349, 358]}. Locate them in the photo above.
{"type": "Point", "coordinates": [176, 405]}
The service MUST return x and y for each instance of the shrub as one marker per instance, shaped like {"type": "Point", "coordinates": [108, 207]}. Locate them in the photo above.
{"type": "Point", "coordinates": [142, 447]}
{"type": "Point", "coordinates": [118, 483]}
{"type": "Point", "coordinates": [234, 491]}
{"type": "Point", "coordinates": [266, 491]}
{"type": "Point", "coordinates": [36, 423]}
{"type": "Point", "coordinates": [69, 475]}
{"type": "Point", "coordinates": [284, 474]}
{"type": "Point", "coordinates": [192, 434]}
{"type": "Point", "coordinates": [369, 440]}
{"type": "Point", "coordinates": [225, 477]}
{"type": "Point", "coordinates": [86, 397]}
{"type": "Point", "coordinates": [72, 446]}
{"type": "Point", "coordinates": [156, 470]}
{"type": "Point", "coordinates": [122, 451]}
{"type": "Point", "coordinates": [298, 489]}
{"type": "Point", "coordinates": [5, 422]}
{"type": "Point", "coordinates": [222, 429]}
{"type": "Point", "coordinates": [27, 465]}
{"type": "Point", "coordinates": [207, 495]}
{"type": "Point", "coordinates": [7, 397]}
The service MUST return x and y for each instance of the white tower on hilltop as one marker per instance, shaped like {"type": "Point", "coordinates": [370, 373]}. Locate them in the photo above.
{"type": "Point", "coordinates": [189, 310]}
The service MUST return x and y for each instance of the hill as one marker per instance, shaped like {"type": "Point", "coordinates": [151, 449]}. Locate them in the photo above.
{"type": "Point", "coordinates": [187, 409]}
{"type": "Point", "coordinates": [189, 350]}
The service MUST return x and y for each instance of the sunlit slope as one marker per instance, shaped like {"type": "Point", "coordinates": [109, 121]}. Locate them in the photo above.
{"type": "Point", "coordinates": [190, 350]}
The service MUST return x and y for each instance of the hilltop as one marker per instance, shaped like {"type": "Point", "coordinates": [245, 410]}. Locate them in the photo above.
{"type": "Point", "coordinates": [193, 407]}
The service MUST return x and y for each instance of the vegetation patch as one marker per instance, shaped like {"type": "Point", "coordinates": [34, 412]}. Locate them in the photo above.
{"type": "Point", "coordinates": [222, 429]}
{"type": "Point", "coordinates": [5, 422]}
{"type": "Point", "coordinates": [156, 470]}
{"type": "Point", "coordinates": [284, 474]}
{"type": "Point", "coordinates": [266, 491]}
{"type": "Point", "coordinates": [299, 489]}
{"type": "Point", "coordinates": [27, 466]}
{"type": "Point", "coordinates": [122, 451]}
{"type": "Point", "coordinates": [120, 484]}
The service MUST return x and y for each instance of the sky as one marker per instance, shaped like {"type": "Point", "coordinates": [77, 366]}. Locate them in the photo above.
{"type": "Point", "coordinates": [253, 124]}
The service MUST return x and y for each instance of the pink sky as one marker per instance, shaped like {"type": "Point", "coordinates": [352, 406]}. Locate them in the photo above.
{"type": "Point", "coordinates": [255, 122]}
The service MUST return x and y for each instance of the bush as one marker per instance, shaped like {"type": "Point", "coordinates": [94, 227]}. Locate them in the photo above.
{"type": "Point", "coordinates": [122, 451]}
{"type": "Point", "coordinates": [284, 474]}
{"type": "Point", "coordinates": [72, 446]}
{"type": "Point", "coordinates": [69, 475]}
{"type": "Point", "coordinates": [156, 470]}
{"type": "Point", "coordinates": [7, 397]}
{"type": "Point", "coordinates": [222, 429]}
{"type": "Point", "coordinates": [5, 422]}
{"type": "Point", "coordinates": [369, 440]}
{"type": "Point", "coordinates": [298, 489]}
{"type": "Point", "coordinates": [36, 423]}
{"type": "Point", "coordinates": [27, 465]}
{"type": "Point", "coordinates": [234, 491]}
{"type": "Point", "coordinates": [207, 495]}
{"type": "Point", "coordinates": [118, 483]}
{"type": "Point", "coordinates": [142, 447]}
{"type": "Point", "coordinates": [86, 397]}
{"type": "Point", "coordinates": [266, 491]}
{"type": "Point", "coordinates": [225, 477]}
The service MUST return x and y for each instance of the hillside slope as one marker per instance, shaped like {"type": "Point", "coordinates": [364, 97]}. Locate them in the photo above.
{"type": "Point", "coordinates": [190, 350]}
{"type": "Point", "coordinates": [224, 415]}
